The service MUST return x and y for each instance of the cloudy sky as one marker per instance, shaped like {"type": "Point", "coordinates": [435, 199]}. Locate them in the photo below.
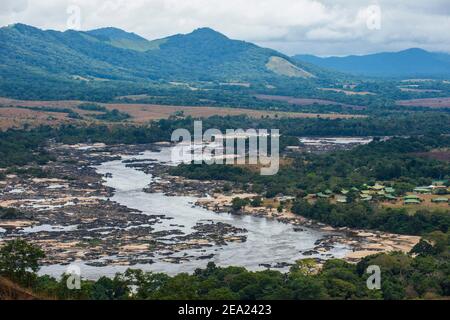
{"type": "Point", "coordinates": [322, 27]}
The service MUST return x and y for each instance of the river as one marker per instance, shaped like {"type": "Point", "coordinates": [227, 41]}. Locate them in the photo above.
{"type": "Point", "coordinates": [268, 241]}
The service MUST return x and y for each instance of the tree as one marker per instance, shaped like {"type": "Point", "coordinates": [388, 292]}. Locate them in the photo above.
{"type": "Point", "coordinates": [227, 187]}
{"type": "Point", "coordinates": [110, 289]}
{"type": "Point", "coordinates": [305, 267]}
{"type": "Point", "coordinates": [441, 241]}
{"type": "Point", "coordinates": [145, 283]}
{"type": "Point", "coordinates": [423, 248]}
{"type": "Point", "coordinates": [307, 288]}
{"type": "Point", "coordinates": [222, 294]}
{"type": "Point", "coordinates": [256, 202]}
{"type": "Point", "coordinates": [352, 196]}
{"type": "Point", "coordinates": [238, 204]}
{"type": "Point", "coordinates": [19, 260]}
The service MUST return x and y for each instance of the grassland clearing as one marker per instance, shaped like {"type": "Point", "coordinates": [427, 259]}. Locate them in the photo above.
{"type": "Point", "coordinates": [430, 103]}
{"type": "Point", "coordinates": [306, 101]}
{"type": "Point", "coordinates": [13, 114]}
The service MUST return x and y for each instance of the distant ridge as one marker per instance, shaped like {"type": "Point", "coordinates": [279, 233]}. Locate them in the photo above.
{"type": "Point", "coordinates": [412, 62]}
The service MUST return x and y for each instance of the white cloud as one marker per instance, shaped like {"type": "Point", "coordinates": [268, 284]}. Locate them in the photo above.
{"type": "Point", "coordinates": [294, 26]}
{"type": "Point", "coordinates": [13, 6]}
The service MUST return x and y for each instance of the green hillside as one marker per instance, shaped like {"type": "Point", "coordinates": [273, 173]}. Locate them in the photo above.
{"type": "Point", "coordinates": [102, 57]}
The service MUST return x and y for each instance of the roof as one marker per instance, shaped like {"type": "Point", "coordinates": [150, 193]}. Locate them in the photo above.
{"type": "Point", "coordinates": [424, 188]}
{"type": "Point", "coordinates": [322, 195]}
{"type": "Point", "coordinates": [412, 201]}
{"type": "Point", "coordinates": [411, 197]}
{"type": "Point", "coordinates": [285, 198]}
{"type": "Point", "coordinates": [439, 200]}
{"type": "Point", "coordinates": [389, 190]}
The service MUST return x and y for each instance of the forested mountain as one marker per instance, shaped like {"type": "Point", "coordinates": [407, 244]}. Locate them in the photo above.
{"type": "Point", "coordinates": [112, 54]}
{"type": "Point", "coordinates": [408, 63]}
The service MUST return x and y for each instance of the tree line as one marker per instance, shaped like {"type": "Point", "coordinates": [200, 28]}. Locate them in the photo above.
{"type": "Point", "coordinates": [425, 276]}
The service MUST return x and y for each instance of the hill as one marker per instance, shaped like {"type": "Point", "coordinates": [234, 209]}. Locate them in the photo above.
{"type": "Point", "coordinates": [404, 64]}
{"type": "Point", "coordinates": [122, 39]}
{"type": "Point", "coordinates": [109, 54]}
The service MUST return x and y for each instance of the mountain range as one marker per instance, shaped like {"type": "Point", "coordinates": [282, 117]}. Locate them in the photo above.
{"type": "Point", "coordinates": [407, 63]}
{"type": "Point", "coordinates": [108, 62]}
{"type": "Point", "coordinates": [113, 54]}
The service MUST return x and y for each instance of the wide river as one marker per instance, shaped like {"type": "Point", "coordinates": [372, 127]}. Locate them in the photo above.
{"type": "Point", "coordinates": [268, 241]}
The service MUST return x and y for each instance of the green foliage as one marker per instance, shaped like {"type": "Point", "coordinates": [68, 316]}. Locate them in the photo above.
{"type": "Point", "coordinates": [74, 115]}
{"type": "Point", "coordinates": [238, 204]}
{"type": "Point", "coordinates": [113, 116]}
{"type": "Point", "coordinates": [110, 289]}
{"type": "Point", "coordinates": [211, 172]}
{"type": "Point", "coordinates": [256, 202]}
{"type": "Point", "coordinates": [91, 107]}
{"type": "Point", "coordinates": [20, 147]}
{"type": "Point", "coordinates": [393, 160]}
{"type": "Point", "coordinates": [386, 124]}
{"type": "Point", "coordinates": [106, 115]}
{"type": "Point", "coordinates": [99, 60]}
{"type": "Point", "coordinates": [403, 277]}
{"type": "Point", "coordinates": [19, 261]}
{"type": "Point", "coordinates": [364, 215]}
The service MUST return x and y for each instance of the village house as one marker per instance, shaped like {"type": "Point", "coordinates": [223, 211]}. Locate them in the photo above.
{"type": "Point", "coordinates": [423, 190]}
{"type": "Point", "coordinates": [440, 200]}
{"type": "Point", "coordinates": [412, 199]}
